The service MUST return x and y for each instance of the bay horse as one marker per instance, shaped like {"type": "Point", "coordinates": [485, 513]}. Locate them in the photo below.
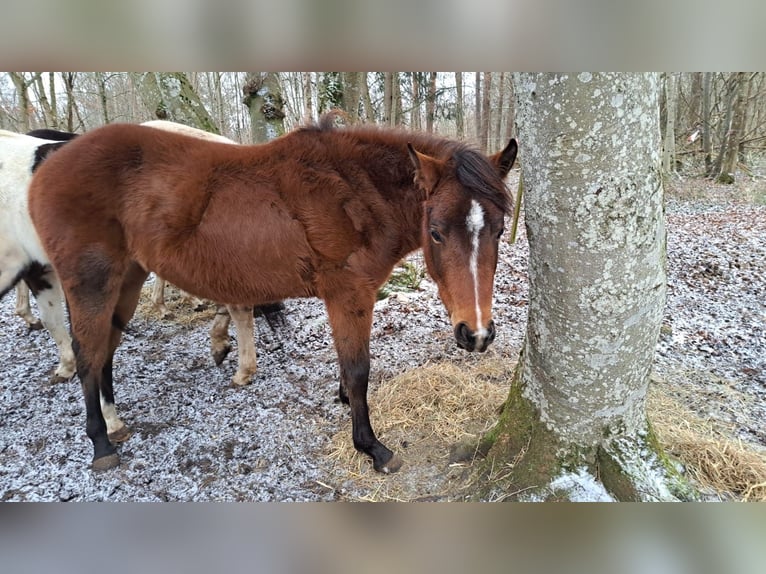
{"type": "Point", "coordinates": [319, 212]}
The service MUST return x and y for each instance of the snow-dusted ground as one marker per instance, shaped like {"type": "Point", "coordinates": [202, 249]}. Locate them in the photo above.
{"type": "Point", "coordinates": [196, 438]}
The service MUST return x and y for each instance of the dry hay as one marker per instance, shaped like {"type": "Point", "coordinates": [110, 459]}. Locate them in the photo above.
{"type": "Point", "coordinates": [421, 414]}
{"type": "Point", "coordinates": [179, 305]}
{"type": "Point", "coordinates": [712, 459]}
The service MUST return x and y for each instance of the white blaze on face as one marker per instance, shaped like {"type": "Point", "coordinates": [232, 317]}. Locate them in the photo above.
{"type": "Point", "coordinates": [475, 223]}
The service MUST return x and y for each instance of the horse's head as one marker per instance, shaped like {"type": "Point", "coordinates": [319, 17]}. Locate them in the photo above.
{"type": "Point", "coordinates": [466, 201]}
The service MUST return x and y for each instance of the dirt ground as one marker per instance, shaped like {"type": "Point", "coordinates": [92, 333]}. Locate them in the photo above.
{"type": "Point", "coordinates": [196, 438]}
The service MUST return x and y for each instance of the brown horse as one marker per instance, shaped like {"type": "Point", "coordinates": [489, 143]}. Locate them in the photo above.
{"type": "Point", "coordinates": [320, 212]}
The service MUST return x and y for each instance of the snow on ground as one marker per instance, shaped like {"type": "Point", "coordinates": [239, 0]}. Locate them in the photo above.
{"type": "Point", "coordinates": [196, 438]}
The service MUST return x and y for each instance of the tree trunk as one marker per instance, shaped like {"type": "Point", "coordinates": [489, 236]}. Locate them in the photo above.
{"type": "Point", "coordinates": [486, 113]}
{"type": "Point", "coordinates": [263, 98]}
{"type": "Point", "coordinates": [707, 146]}
{"type": "Point", "coordinates": [477, 106]}
{"type": "Point", "coordinates": [731, 155]}
{"type": "Point", "coordinates": [388, 98]}
{"type": "Point", "coordinates": [308, 94]}
{"type": "Point", "coordinates": [510, 116]}
{"type": "Point", "coordinates": [596, 232]}
{"type": "Point", "coordinates": [431, 102]}
{"type": "Point", "coordinates": [171, 96]}
{"type": "Point", "coordinates": [498, 139]}
{"type": "Point", "coordinates": [459, 111]}
{"type": "Point", "coordinates": [102, 98]}
{"type": "Point", "coordinates": [369, 111]}
{"type": "Point", "coordinates": [725, 125]}
{"type": "Point", "coordinates": [669, 147]}
{"type": "Point", "coordinates": [351, 94]}
{"type": "Point", "coordinates": [22, 91]}
{"type": "Point", "coordinates": [415, 123]}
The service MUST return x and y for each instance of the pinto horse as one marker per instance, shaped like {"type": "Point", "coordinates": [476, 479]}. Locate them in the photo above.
{"type": "Point", "coordinates": [319, 212]}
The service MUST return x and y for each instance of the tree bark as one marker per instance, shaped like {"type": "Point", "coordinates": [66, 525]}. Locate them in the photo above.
{"type": "Point", "coordinates": [707, 147]}
{"type": "Point", "coordinates": [431, 102]}
{"type": "Point", "coordinates": [477, 106]}
{"type": "Point", "coordinates": [486, 113]}
{"type": "Point", "coordinates": [596, 232]}
{"type": "Point", "coordinates": [459, 110]}
{"type": "Point", "coordinates": [498, 139]}
{"type": "Point", "coordinates": [22, 91]}
{"type": "Point", "coordinates": [263, 98]}
{"type": "Point", "coordinates": [731, 155]}
{"type": "Point", "coordinates": [351, 94]}
{"type": "Point", "coordinates": [669, 146]}
{"type": "Point", "coordinates": [171, 96]}
{"type": "Point", "coordinates": [415, 122]}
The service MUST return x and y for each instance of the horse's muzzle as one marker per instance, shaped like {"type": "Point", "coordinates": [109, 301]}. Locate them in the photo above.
{"type": "Point", "coordinates": [473, 341]}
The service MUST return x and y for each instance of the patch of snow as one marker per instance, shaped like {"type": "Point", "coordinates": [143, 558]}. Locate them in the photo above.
{"type": "Point", "coordinates": [581, 486]}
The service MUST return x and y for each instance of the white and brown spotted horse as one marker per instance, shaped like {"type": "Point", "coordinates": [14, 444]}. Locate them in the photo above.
{"type": "Point", "coordinates": [319, 212]}
{"type": "Point", "coordinates": [22, 261]}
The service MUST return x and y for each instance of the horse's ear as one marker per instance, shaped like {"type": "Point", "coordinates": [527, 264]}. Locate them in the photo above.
{"type": "Point", "coordinates": [428, 170]}
{"type": "Point", "coordinates": [503, 160]}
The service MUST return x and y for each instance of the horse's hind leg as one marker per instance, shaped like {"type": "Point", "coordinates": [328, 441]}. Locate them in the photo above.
{"type": "Point", "coordinates": [130, 292]}
{"type": "Point", "coordinates": [49, 299]}
{"type": "Point", "coordinates": [350, 316]}
{"type": "Point", "coordinates": [101, 293]}
{"type": "Point", "coordinates": [219, 334]}
{"type": "Point", "coordinates": [23, 309]}
{"type": "Point", "coordinates": [243, 324]}
{"type": "Point", "coordinates": [158, 297]}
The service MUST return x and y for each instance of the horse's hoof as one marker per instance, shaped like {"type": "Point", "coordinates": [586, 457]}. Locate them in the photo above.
{"type": "Point", "coordinates": [106, 462]}
{"type": "Point", "coordinates": [121, 434]}
{"type": "Point", "coordinates": [55, 379]}
{"type": "Point", "coordinates": [36, 326]}
{"type": "Point", "coordinates": [239, 381]}
{"type": "Point", "coordinates": [219, 356]}
{"type": "Point", "coordinates": [393, 464]}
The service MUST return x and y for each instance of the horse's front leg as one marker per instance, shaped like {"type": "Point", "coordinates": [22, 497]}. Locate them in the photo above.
{"type": "Point", "coordinates": [351, 322]}
{"type": "Point", "coordinates": [219, 334]}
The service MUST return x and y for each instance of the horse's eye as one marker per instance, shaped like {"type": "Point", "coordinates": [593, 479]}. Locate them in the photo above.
{"type": "Point", "coordinates": [436, 236]}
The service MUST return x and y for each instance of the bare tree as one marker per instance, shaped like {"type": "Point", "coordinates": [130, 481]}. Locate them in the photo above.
{"type": "Point", "coordinates": [459, 110]}
{"type": "Point", "coordinates": [431, 102]}
{"type": "Point", "coordinates": [734, 135]}
{"type": "Point", "coordinates": [486, 112]}
{"type": "Point", "coordinates": [477, 106]}
{"type": "Point", "coordinates": [669, 146]}
{"type": "Point", "coordinates": [262, 95]}
{"type": "Point", "coordinates": [171, 96]}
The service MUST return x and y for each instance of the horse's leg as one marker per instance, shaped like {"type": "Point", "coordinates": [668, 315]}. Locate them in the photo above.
{"type": "Point", "coordinates": [158, 297]}
{"type": "Point", "coordinates": [22, 307]}
{"type": "Point", "coordinates": [219, 335]}
{"type": "Point", "coordinates": [243, 324]}
{"type": "Point", "coordinates": [130, 292]}
{"type": "Point", "coordinates": [96, 284]}
{"type": "Point", "coordinates": [195, 303]}
{"type": "Point", "coordinates": [49, 300]}
{"type": "Point", "coordinates": [350, 316]}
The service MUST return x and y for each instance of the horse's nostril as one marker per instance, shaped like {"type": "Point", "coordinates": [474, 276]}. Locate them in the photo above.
{"type": "Point", "coordinates": [491, 332]}
{"type": "Point", "coordinates": [464, 337]}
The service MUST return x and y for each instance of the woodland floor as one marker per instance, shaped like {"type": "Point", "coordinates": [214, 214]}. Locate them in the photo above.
{"type": "Point", "coordinates": [282, 438]}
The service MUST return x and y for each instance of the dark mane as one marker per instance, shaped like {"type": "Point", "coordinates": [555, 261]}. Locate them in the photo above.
{"type": "Point", "coordinates": [472, 169]}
